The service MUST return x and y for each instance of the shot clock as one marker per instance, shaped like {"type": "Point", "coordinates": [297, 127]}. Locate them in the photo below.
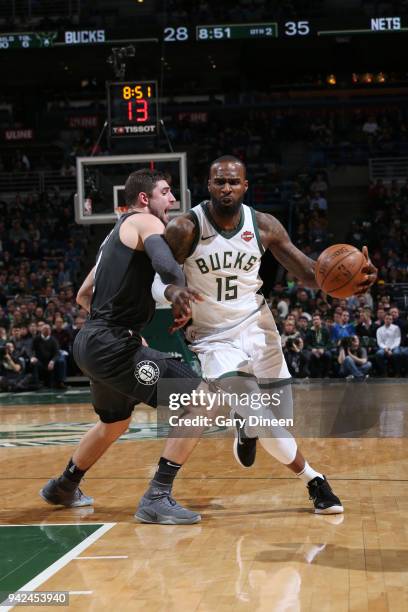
{"type": "Point", "coordinates": [132, 109]}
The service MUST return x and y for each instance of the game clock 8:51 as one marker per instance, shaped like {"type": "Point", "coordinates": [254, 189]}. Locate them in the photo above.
{"type": "Point", "coordinates": [133, 108]}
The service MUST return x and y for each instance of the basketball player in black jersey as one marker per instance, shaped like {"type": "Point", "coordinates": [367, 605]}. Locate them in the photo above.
{"type": "Point", "coordinates": [109, 349]}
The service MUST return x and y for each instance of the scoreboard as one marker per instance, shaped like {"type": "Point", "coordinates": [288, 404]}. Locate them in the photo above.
{"type": "Point", "coordinates": [132, 108]}
{"type": "Point", "coordinates": [274, 29]}
{"type": "Point", "coordinates": [288, 29]}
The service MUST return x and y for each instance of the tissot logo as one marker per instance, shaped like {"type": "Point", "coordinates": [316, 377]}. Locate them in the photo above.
{"type": "Point", "coordinates": [84, 37]}
{"type": "Point", "coordinates": [134, 129]}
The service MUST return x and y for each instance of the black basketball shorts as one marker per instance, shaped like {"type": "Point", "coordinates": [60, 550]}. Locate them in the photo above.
{"type": "Point", "coordinates": [123, 372]}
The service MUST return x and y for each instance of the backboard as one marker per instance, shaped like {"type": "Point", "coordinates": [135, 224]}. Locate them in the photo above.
{"type": "Point", "coordinates": [101, 181]}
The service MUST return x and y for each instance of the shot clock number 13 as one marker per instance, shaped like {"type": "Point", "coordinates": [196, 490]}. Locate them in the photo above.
{"type": "Point", "coordinates": [132, 108]}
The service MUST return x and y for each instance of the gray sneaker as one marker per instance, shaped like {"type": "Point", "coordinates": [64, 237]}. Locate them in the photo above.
{"type": "Point", "coordinates": [55, 493]}
{"type": "Point", "coordinates": [158, 506]}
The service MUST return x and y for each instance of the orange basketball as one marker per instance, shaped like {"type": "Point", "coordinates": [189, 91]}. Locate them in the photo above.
{"type": "Point", "coordinates": [338, 270]}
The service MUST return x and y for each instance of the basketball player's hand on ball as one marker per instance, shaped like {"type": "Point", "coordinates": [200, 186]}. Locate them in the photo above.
{"type": "Point", "coordinates": [178, 323]}
{"type": "Point", "coordinates": [181, 298]}
{"type": "Point", "coordinates": [370, 271]}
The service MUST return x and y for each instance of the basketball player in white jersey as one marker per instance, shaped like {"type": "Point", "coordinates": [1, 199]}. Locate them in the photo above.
{"type": "Point", "coordinates": [220, 243]}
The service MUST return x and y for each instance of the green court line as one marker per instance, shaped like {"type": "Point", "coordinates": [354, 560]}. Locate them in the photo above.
{"type": "Point", "coordinates": [72, 396]}
{"type": "Point", "coordinates": [33, 553]}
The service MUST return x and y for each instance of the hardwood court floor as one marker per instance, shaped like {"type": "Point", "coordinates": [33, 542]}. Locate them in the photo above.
{"type": "Point", "coordinates": [258, 547]}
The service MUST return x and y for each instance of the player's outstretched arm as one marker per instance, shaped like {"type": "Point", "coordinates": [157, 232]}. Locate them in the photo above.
{"type": "Point", "coordinates": [145, 232]}
{"type": "Point", "coordinates": [275, 238]}
{"type": "Point", "coordinates": [179, 297]}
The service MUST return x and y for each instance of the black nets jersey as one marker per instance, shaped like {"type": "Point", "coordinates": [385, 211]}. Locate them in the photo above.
{"type": "Point", "coordinates": [122, 284]}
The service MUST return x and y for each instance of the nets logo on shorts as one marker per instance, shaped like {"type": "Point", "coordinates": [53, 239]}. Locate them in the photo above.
{"type": "Point", "coordinates": [147, 372]}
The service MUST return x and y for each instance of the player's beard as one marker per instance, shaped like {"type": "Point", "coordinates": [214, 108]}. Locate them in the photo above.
{"type": "Point", "coordinates": [165, 218]}
{"type": "Point", "coordinates": [163, 215]}
{"type": "Point", "coordinates": [226, 210]}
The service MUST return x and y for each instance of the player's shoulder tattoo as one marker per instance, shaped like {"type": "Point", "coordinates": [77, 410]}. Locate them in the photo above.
{"type": "Point", "coordinates": [180, 234]}
{"type": "Point", "coordinates": [270, 229]}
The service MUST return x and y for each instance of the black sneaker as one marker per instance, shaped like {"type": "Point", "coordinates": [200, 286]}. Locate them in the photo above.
{"type": "Point", "coordinates": [324, 500]}
{"type": "Point", "coordinates": [244, 448]}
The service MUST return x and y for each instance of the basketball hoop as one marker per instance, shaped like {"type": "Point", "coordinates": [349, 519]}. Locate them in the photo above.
{"type": "Point", "coordinates": [120, 210]}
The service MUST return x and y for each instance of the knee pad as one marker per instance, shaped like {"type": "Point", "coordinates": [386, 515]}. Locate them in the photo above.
{"type": "Point", "coordinates": [283, 449]}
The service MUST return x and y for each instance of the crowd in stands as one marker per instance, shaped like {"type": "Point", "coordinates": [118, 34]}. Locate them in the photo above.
{"type": "Point", "coordinates": [325, 337]}
{"type": "Point", "coordinates": [358, 336]}
{"type": "Point", "coordinates": [41, 252]}
{"type": "Point", "coordinates": [332, 138]}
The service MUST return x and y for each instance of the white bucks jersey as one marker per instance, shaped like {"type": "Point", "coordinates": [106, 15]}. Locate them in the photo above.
{"type": "Point", "coordinates": [224, 267]}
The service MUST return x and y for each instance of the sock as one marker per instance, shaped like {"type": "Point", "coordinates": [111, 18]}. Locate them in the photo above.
{"type": "Point", "coordinates": [166, 472]}
{"type": "Point", "coordinates": [308, 473]}
{"type": "Point", "coordinates": [73, 473]}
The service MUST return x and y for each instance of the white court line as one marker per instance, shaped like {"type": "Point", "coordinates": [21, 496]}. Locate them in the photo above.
{"type": "Point", "coordinates": [80, 592]}
{"type": "Point", "coordinates": [104, 557]}
{"type": "Point", "coordinates": [64, 560]}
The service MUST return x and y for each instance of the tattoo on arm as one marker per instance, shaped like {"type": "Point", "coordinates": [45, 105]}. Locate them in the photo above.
{"type": "Point", "coordinates": [179, 235]}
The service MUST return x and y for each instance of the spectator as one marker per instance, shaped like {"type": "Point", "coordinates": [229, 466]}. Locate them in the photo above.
{"type": "Point", "coordinates": [401, 323]}
{"type": "Point", "coordinates": [17, 233]}
{"type": "Point", "coordinates": [353, 359]}
{"type": "Point", "coordinates": [318, 202]}
{"type": "Point", "coordinates": [283, 307]}
{"type": "Point", "coordinates": [343, 329]}
{"type": "Point", "coordinates": [303, 326]}
{"type": "Point", "coordinates": [302, 300]}
{"type": "Point", "coordinates": [64, 275]}
{"type": "Point", "coordinates": [39, 314]}
{"type": "Point", "coordinates": [389, 351]}
{"type": "Point", "coordinates": [62, 334]}
{"type": "Point", "coordinates": [4, 319]}
{"type": "Point", "coordinates": [380, 317]}
{"type": "Point", "coordinates": [318, 343]}
{"type": "Point", "coordinates": [289, 331]}
{"type": "Point", "coordinates": [296, 359]}
{"type": "Point", "coordinates": [46, 355]}
{"type": "Point", "coordinates": [11, 367]}
{"type": "Point", "coordinates": [16, 338]}
{"type": "Point", "coordinates": [366, 326]}
{"type": "Point", "coordinates": [3, 336]}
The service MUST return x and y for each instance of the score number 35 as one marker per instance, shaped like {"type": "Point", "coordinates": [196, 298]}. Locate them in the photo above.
{"type": "Point", "coordinates": [297, 28]}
